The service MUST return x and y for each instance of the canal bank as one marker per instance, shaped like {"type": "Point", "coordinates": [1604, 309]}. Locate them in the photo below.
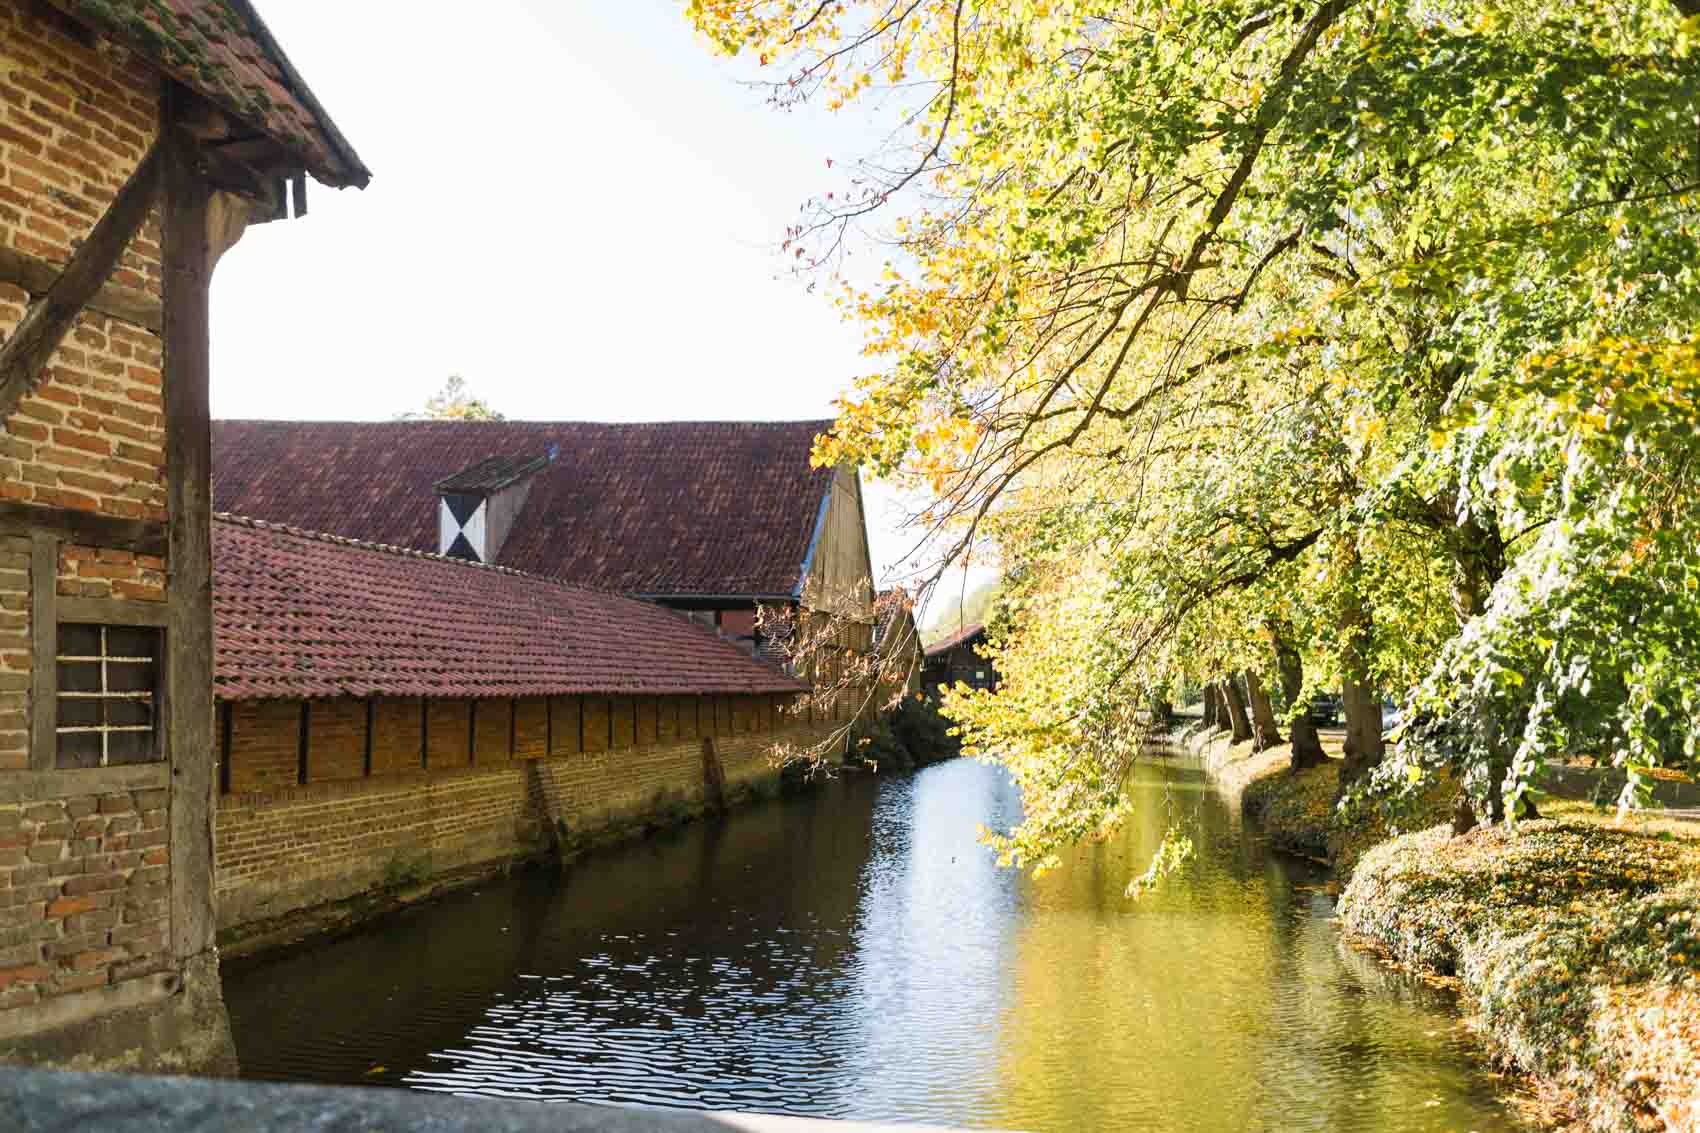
{"type": "Point", "coordinates": [854, 952]}
{"type": "Point", "coordinates": [1575, 939]}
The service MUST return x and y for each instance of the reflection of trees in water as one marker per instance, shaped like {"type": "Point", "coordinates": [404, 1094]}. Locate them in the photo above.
{"type": "Point", "coordinates": [1136, 1014]}
{"type": "Point", "coordinates": [1216, 1002]}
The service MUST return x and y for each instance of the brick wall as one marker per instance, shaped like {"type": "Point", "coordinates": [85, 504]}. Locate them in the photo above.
{"type": "Point", "coordinates": [287, 848]}
{"type": "Point", "coordinates": [86, 894]}
{"type": "Point", "coordinates": [98, 572]}
{"type": "Point", "coordinates": [74, 124]}
{"type": "Point", "coordinates": [267, 733]}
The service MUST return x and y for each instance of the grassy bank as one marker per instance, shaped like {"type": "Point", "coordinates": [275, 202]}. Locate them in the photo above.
{"type": "Point", "coordinates": [1577, 938]}
{"type": "Point", "coordinates": [1297, 812]}
{"type": "Point", "coordinates": [1579, 941]}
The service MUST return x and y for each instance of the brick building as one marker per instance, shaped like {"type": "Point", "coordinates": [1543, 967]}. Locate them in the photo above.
{"type": "Point", "coordinates": [392, 716]}
{"type": "Point", "coordinates": [137, 140]}
{"type": "Point", "coordinates": [713, 518]}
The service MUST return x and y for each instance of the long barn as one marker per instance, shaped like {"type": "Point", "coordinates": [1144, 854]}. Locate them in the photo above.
{"type": "Point", "coordinates": [388, 715]}
{"type": "Point", "coordinates": [714, 518]}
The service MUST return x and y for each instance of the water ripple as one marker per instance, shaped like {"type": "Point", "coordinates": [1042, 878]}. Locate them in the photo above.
{"type": "Point", "coordinates": [855, 953]}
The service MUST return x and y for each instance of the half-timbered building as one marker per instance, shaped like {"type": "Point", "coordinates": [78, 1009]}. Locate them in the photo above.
{"type": "Point", "coordinates": [137, 140]}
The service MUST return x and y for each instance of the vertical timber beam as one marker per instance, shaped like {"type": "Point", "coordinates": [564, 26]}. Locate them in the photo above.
{"type": "Point", "coordinates": [188, 448]}
{"type": "Point", "coordinates": [44, 651]}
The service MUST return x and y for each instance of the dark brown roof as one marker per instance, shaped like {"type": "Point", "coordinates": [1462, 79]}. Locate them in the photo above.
{"type": "Point", "coordinates": [493, 473]}
{"type": "Point", "coordinates": [963, 636]}
{"type": "Point", "coordinates": [222, 50]}
{"type": "Point", "coordinates": [676, 508]}
{"type": "Point", "coordinates": [300, 615]}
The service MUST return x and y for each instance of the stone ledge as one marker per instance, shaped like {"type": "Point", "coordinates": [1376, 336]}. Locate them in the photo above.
{"type": "Point", "coordinates": [34, 1101]}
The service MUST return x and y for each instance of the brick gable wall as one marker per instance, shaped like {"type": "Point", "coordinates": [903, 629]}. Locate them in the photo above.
{"type": "Point", "coordinates": [74, 124]}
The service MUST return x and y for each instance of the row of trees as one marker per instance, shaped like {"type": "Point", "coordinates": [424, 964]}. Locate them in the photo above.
{"type": "Point", "coordinates": [1339, 344]}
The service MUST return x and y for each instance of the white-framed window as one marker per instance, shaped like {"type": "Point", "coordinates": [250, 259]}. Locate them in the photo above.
{"type": "Point", "coordinates": [108, 692]}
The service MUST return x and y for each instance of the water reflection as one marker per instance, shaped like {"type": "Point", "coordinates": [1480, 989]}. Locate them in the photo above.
{"type": "Point", "coordinates": [855, 952]}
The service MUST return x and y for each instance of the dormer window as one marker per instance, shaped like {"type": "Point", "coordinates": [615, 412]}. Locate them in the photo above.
{"type": "Point", "coordinates": [477, 505]}
{"type": "Point", "coordinates": [460, 526]}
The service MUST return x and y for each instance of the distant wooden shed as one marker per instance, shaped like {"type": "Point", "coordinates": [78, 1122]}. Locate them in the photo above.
{"type": "Point", "coordinates": [957, 660]}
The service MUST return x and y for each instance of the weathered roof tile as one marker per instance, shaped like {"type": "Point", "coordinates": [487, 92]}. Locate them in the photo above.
{"type": "Point", "coordinates": [302, 615]}
{"type": "Point", "coordinates": [222, 50]}
{"type": "Point", "coordinates": [671, 508]}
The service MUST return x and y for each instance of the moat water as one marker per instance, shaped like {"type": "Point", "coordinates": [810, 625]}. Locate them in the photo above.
{"type": "Point", "coordinates": [855, 952]}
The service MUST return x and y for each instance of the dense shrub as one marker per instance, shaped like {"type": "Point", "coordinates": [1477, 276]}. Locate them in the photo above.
{"type": "Point", "coordinates": [911, 735]}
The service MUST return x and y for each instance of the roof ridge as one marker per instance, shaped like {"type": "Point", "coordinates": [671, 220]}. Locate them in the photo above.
{"type": "Point", "coordinates": [407, 552]}
{"type": "Point", "coordinates": [468, 422]}
{"type": "Point", "coordinates": [962, 634]}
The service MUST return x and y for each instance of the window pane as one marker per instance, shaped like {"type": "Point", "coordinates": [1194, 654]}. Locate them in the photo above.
{"type": "Point", "coordinates": [131, 641]}
{"type": "Point", "coordinates": [122, 676]}
{"type": "Point", "coordinates": [79, 749]}
{"type": "Point", "coordinates": [129, 713]}
{"type": "Point", "coordinates": [79, 676]}
{"type": "Point", "coordinates": [130, 747]}
{"type": "Point", "coordinates": [79, 641]}
{"type": "Point", "coordinates": [79, 712]}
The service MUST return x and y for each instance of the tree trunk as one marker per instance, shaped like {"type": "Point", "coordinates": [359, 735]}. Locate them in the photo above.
{"type": "Point", "coordinates": [1463, 815]}
{"type": "Point", "coordinates": [1478, 560]}
{"type": "Point", "coordinates": [1264, 731]}
{"type": "Point", "coordinates": [1210, 706]}
{"type": "Point", "coordinates": [1363, 749]}
{"type": "Point", "coordinates": [1236, 709]}
{"type": "Point", "coordinates": [1307, 747]}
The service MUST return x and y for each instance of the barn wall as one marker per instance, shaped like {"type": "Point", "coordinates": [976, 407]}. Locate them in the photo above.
{"type": "Point", "coordinates": [284, 849]}
{"type": "Point", "coordinates": [840, 579]}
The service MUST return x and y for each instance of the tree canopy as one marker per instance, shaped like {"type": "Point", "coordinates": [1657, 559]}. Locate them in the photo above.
{"type": "Point", "coordinates": [454, 402]}
{"type": "Point", "coordinates": [1362, 330]}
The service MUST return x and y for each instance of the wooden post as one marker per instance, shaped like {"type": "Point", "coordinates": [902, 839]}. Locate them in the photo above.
{"type": "Point", "coordinates": [44, 659]}
{"type": "Point", "coordinates": [188, 449]}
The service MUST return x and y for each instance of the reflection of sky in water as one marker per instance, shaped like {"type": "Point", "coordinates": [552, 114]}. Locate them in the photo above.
{"type": "Point", "coordinates": [855, 952]}
{"type": "Point", "coordinates": [931, 948]}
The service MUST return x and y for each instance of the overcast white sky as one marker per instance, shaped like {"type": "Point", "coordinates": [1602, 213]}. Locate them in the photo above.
{"type": "Point", "coordinates": [574, 205]}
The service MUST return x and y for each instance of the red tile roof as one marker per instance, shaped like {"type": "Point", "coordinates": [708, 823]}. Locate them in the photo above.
{"type": "Point", "coordinates": [675, 508]}
{"type": "Point", "coordinates": [301, 615]}
{"type": "Point", "coordinates": [963, 636]}
{"type": "Point", "coordinates": [222, 50]}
